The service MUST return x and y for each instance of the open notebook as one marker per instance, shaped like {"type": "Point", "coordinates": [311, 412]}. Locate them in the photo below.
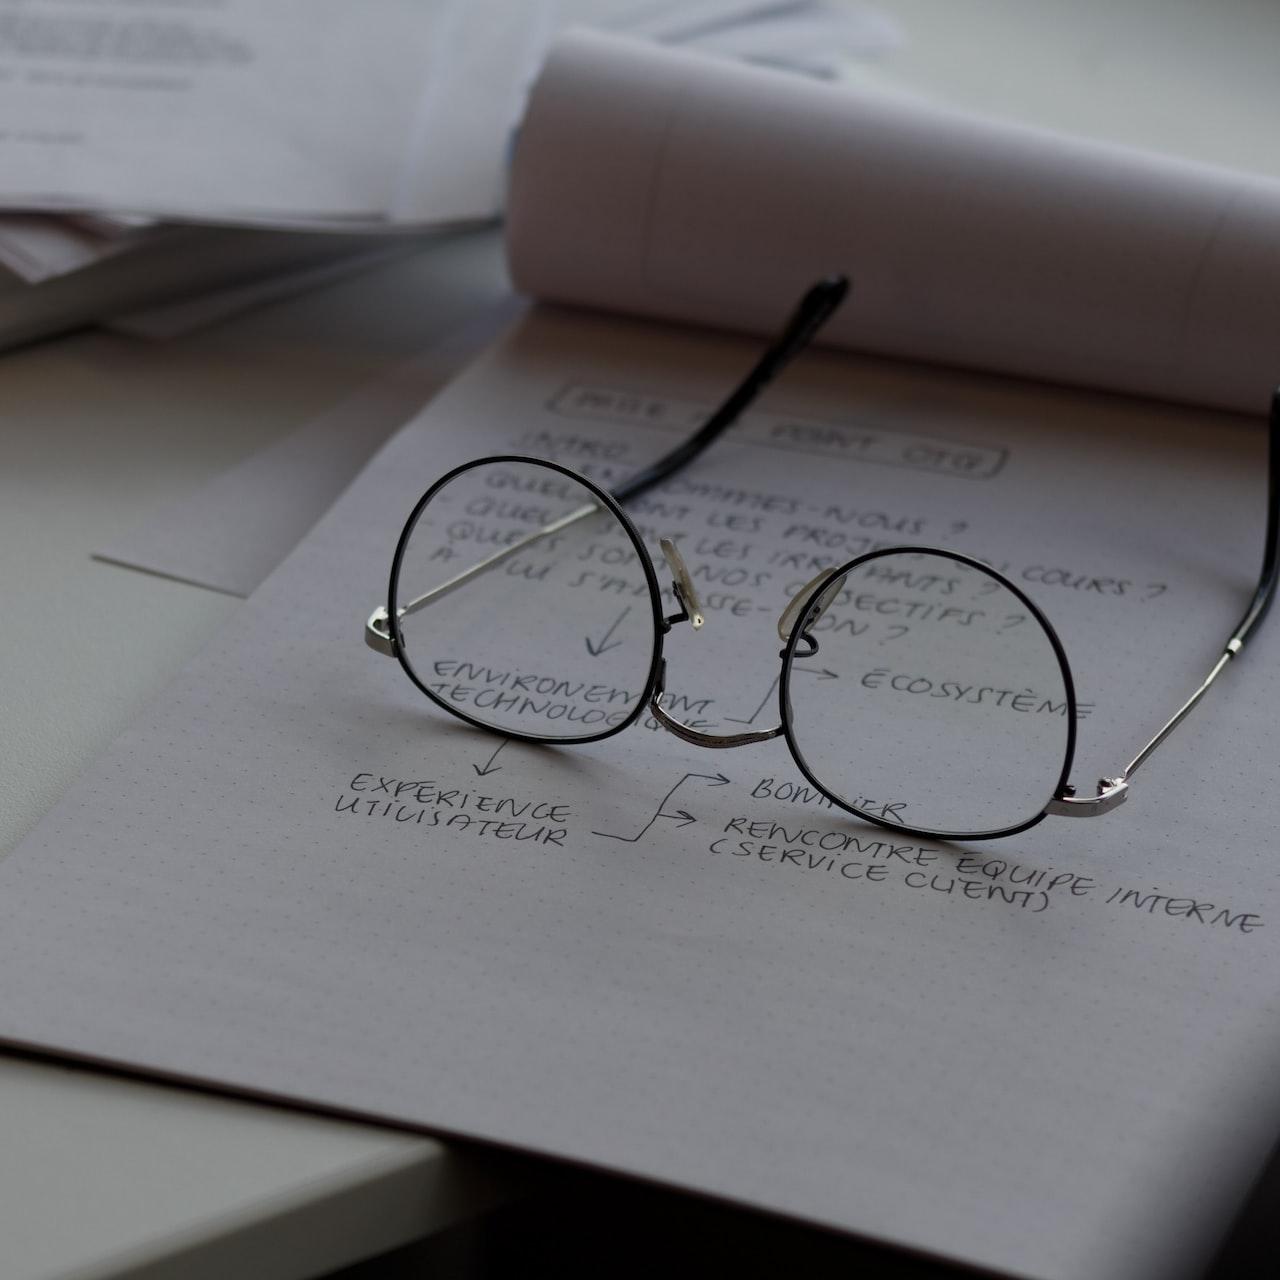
{"type": "Point", "coordinates": [1052, 1056]}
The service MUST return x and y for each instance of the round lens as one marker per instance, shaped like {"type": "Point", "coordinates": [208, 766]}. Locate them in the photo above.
{"type": "Point", "coordinates": [525, 603]}
{"type": "Point", "coordinates": [937, 700]}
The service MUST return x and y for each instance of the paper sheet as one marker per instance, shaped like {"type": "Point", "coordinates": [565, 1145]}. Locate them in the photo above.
{"type": "Point", "coordinates": [254, 111]}
{"type": "Point", "coordinates": [656, 182]}
{"type": "Point", "coordinates": [37, 247]}
{"type": "Point", "coordinates": [230, 534]}
{"type": "Point", "coordinates": [818, 39]}
{"type": "Point", "coordinates": [288, 114]}
{"type": "Point", "coordinates": [598, 952]}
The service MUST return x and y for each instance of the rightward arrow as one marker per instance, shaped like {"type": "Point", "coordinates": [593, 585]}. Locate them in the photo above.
{"type": "Point", "coordinates": [682, 816]}
{"type": "Point", "coordinates": [489, 766]}
{"type": "Point", "coordinates": [597, 647]}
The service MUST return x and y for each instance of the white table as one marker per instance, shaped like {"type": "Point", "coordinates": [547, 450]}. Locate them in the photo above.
{"type": "Point", "coordinates": [103, 1176]}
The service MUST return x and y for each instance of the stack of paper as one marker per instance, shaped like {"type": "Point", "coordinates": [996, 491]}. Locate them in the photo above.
{"type": "Point", "coordinates": [320, 131]}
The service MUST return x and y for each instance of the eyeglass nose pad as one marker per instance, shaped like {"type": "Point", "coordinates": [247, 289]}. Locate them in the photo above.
{"type": "Point", "coordinates": [787, 622]}
{"type": "Point", "coordinates": [684, 588]}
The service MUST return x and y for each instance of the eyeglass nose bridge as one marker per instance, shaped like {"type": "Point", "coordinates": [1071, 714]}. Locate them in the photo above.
{"type": "Point", "coordinates": [687, 733]}
{"type": "Point", "coordinates": [691, 609]}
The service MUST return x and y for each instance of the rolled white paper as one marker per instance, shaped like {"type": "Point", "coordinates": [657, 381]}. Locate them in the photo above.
{"type": "Point", "coordinates": [667, 184]}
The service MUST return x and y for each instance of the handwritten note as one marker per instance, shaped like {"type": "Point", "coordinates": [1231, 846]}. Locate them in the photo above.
{"type": "Point", "coordinates": [1052, 1054]}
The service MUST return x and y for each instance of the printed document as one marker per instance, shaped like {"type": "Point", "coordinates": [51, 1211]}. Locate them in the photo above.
{"type": "Point", "coordinates": [1053, 1055]}
{"type": "Point", "coordinates": [318, 113]}
{"type": "Point", "coordinates": [289, 112]}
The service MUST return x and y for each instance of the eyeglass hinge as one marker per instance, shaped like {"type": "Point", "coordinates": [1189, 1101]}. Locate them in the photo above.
{"type": "Point", "coordinates": [1111, 792]}
{"type": "Point", "coordinates": [377, 632]}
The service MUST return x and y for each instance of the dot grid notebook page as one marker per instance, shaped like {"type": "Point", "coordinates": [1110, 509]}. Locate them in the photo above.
{"type": "Point", "coordinates": [1052, 1054]}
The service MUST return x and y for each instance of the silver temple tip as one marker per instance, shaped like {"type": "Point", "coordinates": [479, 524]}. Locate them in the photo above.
{"type": "Point", "coordinates": [377, 633]}
{"type": "Point", "coordinates": [1111, 792]}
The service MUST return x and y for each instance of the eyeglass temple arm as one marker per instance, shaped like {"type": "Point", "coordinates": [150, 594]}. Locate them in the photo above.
{"type": "Point", "coordinates": [1265, 590]}
{"type": "Point", "coordinates": [813, 311]}
{"type": "Point", "coordinates": [377, 630]}
{"type": "Point", "coordinates": [1111, 791]}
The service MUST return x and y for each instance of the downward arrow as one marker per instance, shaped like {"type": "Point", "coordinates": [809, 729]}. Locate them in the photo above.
{"type": "Point", "coordinates": [595, 650]}
{"type": "Point", "coordinates": [489, 766]}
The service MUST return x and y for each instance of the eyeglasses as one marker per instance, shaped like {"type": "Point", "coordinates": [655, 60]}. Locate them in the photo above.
{"type": "Point", "coordinates": [523, 601]}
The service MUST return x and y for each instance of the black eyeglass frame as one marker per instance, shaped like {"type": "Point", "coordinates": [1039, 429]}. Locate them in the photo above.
{"type": "Point", "coordinates": [655, 680]}
{"type": "Point", "coordinates": [799, 633]}
{"type": "Point", "coordinates": [383, 633]}
{"type": "Point", "coordinates": [607, 502]}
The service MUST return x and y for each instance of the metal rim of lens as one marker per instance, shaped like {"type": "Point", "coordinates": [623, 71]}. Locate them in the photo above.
{"type": "Point", "coordinates": [784, 694]}
{"type": "Point", "coordinates": [607, 502]}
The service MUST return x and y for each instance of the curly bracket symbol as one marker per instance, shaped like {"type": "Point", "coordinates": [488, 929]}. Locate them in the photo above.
{"type": "Point", "coordinates": [680, 816]}
{"type": "Point", "coordinates": [823, 673]}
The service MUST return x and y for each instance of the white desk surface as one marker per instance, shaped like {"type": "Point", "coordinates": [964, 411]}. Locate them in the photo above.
{"type": "Point", "coordinates": [102, 1176]}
